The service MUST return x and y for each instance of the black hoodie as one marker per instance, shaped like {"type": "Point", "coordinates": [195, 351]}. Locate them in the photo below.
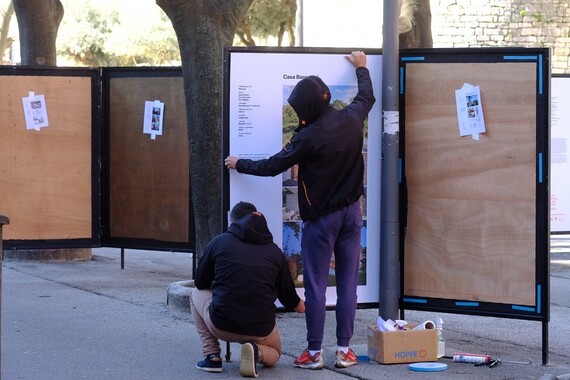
{"type": "Point", "coordinates": [327, 147]}
{"type": "Point", "coordinates": [247, 272]}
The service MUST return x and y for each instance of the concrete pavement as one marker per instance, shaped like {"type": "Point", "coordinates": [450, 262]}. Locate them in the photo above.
{"type": "Point", "coordinates": [94, 320]}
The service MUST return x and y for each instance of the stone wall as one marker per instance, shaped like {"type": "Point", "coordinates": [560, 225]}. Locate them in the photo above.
{"type": "Point", "coordinates": [502, 23]}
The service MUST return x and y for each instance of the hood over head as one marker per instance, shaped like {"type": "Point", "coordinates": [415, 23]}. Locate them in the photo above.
{"type": "Point", "coordinates": [252, 228]}
{"type": "Point", "coordinates": [309, 98]}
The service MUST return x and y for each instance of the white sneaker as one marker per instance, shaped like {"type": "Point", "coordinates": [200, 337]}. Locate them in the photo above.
{"type": "Point", "coordinates": [249, 356]}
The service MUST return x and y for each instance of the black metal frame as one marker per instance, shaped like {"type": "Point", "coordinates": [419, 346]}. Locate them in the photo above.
{"type": "Point", "coordinates": [107, 75]}
{"type": "Point", "coordinates": [100, 145]}
{"type": "Point", "coordinates": [93, 74]}
{"type": "Point", "coordinates": [541, 310]}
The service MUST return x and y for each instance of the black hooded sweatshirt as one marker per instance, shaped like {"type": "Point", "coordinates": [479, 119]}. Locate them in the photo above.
{"type": "Point", "coordinates": [327, 147]}
{"type": "Point", "coordinates": [247, 272]}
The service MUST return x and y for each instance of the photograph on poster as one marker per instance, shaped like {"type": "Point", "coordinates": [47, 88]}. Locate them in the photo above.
{"type": "Point", "coordinates": [260, 122]}
{"type": "Point", "coordinates": [292, 248]}
{"type": "Point", "coordinates": [35, 111]}
{"type": "Point", "coordinates": [155, 126]}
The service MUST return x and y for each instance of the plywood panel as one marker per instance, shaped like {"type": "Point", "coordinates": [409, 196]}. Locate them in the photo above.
{"type": "Point", "coordinates": [471, 211]}
{"type": "Point", "coordinates": [149, 179]}
{"type": "Point", "coordinates": [45, 176]}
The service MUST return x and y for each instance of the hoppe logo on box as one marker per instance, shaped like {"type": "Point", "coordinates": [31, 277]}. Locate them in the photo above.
{"type": "Point", "coordinates": [410, 354]}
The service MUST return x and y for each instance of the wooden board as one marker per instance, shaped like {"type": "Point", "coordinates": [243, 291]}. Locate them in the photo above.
{"type": "Point", "coordinates": [46, 175]}
{"type": "Point", "coordinates": [471, 204]}
{"type": "Point", "coordinates": [149, 179]}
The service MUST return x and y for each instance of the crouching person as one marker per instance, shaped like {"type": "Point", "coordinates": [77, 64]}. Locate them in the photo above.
{"type": "Point", "coordinates": [239, 276]}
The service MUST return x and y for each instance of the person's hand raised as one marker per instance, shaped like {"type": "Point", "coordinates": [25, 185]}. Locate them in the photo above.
{"type": "Point", "coordinates": [357, 58]}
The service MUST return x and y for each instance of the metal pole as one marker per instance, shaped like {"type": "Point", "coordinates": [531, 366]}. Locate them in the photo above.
{"type": "Point", "coordinates": [390, 237]}
{"type": "Point", "coordinates": [544, 343]}
{"type": "Point", "coordinates": [3, 220]}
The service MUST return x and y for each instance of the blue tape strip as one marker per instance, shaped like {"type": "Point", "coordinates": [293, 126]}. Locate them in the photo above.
{"type": "Point", "coordinates": [399, 170]}
{"type": "Point", "coordinates": [469, 304]}
{"type": "Point", "coordinates": [530, 58]}
{"type": "Point", "coordinates": [540, 168]}
{"type": "Point", "coordinates": [538, 298]}
{"type": "Point", "coordinates": [540, 74]}
{"type": "Point", "coordinates": [401, 80]}
{"type": "Point", "coordinates": [523, 308]}
{"type": "Point", "coordinates": [520, 57]}
{"type": "Point", "coordinates": [413, 59]}
{"type": "Point", "coordinates": [415, 300]}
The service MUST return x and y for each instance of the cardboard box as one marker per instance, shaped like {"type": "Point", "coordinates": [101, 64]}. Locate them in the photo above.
{"type": "Point", "coordinates": [403, 346]}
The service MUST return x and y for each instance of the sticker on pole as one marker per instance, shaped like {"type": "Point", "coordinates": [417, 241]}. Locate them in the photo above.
{"type": "Point", "coordinates": [428, 367]}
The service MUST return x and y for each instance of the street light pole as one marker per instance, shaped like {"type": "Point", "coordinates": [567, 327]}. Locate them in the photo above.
{"type": "Point", "coordinates": [390, 237]}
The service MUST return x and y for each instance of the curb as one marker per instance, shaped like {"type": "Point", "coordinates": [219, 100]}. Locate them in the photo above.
{"type": "Point", "coordinates": [67, 254]}
{"type": "Point", "coordinates": [178, 294]}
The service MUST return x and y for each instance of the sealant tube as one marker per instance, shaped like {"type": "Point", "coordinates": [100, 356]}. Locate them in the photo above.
{"type": "Point", "coordinates": [471, 358]}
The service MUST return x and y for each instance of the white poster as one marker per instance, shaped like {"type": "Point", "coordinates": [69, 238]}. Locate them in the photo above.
{"type": "Point", "coordinates": [469, 111]}
{"type": "Point", "coordinates": [261, 122]}
{"type": "Point", "coordinates": [153, 117]}
{"type": "Point", "coordinates": [35, 111]}
{"type": "Point", "coordinates": [559, 155]}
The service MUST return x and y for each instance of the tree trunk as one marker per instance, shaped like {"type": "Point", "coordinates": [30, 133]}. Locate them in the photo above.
{"type": "Point", "coordinates": [244, 33]}
{"type": "Point", "coordinates": [38, 22]}
{"type": "Point", "coordinates": [415, 24]}
{"type": "Point", "coordinates": [5, 26]}
{"type": "Point", "coordinates": [203, 28]}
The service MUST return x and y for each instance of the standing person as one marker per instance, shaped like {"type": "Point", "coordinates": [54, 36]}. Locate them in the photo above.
{"type": "Point", "coordinates": [328, 149]}
{"type": "Point", "coordinates": [240, 275]}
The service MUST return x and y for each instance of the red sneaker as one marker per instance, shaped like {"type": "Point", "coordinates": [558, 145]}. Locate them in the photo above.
{"type": "Point", "coordinates": [345, 360]}
{"type": "Point", "coordinates": [306, 360]}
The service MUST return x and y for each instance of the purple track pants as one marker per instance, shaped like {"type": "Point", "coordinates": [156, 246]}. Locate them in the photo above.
{"type": "Point", "coordinates": [338, 232]}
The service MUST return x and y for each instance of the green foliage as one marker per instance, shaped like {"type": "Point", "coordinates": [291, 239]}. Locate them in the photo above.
{"type": "Point", "coordinates": [87, 35]}
{"type": "Point", "coordinates": [95, 35]}
{"type": "Point", "coordinates": [290, 122]}
{"type": "Point", "coordinates": [106, 33]}
{"type": "Point", "coordinates": [538, 16]}
{"type": "Point", "coordinates": [158, 46]}
{"type": "Point", "coordinates": [265, 19]}
{"type": "Point", "coordinates": [266, 16]}
{"type": "Point", "coordinates": [338, 104]}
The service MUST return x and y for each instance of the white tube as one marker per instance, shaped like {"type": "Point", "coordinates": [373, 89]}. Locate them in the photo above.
{"type": "Point", "coordinates": [427, 325]}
